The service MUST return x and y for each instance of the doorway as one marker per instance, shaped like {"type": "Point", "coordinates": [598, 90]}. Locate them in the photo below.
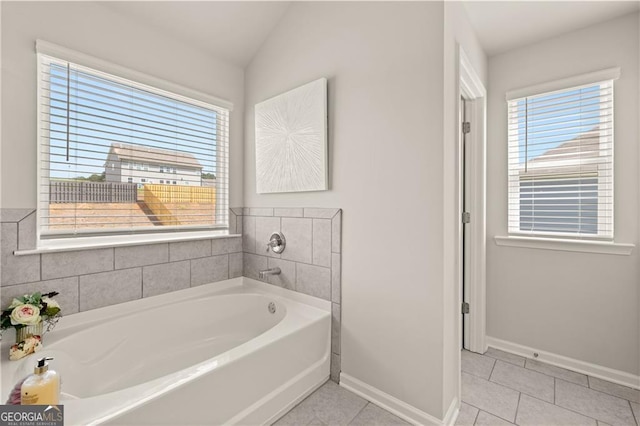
{"type": "Point", "coordinates": [465, 214]}
{"type": "Point", "coordinates": [472, 207]}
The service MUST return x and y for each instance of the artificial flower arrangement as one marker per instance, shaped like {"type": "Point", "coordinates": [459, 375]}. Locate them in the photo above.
{"type": "Point", "coordinates": [27, 314]}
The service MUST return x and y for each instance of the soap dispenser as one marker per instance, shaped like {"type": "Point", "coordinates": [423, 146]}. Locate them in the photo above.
{"type": "Point", "coordinates": [42, 387]}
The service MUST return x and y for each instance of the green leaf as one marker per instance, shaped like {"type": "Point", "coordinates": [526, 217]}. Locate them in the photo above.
{"type": "Point", "coordinates": [51, 311]}
{"type": "Point", "coordinates": [6, 323]}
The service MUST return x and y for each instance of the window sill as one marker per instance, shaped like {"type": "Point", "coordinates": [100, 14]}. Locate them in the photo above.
{"type": "Point", "coordinates": [88, 243]}
{"type": "Point", "coordinates": [566, 245]}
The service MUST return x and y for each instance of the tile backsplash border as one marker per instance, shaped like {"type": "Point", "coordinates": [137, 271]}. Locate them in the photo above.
{"type": "Point", "coordinates": [311, 262]}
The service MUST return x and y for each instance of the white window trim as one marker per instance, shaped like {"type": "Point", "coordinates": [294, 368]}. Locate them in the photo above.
{"type": "Point", "coordinates": [97, 64]}
{"type": "Point", "coordinates": [552, 86]}
{"type": "Point", "coordinates": [554, 241]}
{"type": "Point", "coordinates": [174, 91]}
{"type": "Point", "coordinates": [108, 241]}
{"type": "Point", "coordinates": [582, 246]}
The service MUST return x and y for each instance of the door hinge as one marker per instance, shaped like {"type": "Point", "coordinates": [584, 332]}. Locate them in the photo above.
{"type": "Point", "coordinates": [465, 308]}
{"type": "Point", "coordinates": [466, 127]}
{"type": "Point", "coordinates": [466, 217]}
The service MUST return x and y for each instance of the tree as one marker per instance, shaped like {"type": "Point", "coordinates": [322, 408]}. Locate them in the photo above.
{"type": "Point", "coordinates": [94, 177]}
{"type": "Point", "coordinates": [208, 176]}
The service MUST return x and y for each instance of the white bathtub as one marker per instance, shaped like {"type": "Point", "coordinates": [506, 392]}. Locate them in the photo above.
{"type": "Point", "coordinates": [212, 354]}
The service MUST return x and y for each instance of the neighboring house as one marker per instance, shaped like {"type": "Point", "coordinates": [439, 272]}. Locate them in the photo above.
{"type": "Point", "coordinates": [141, 164]}
{"type": "Point", "coordinates": [577, 156]}
{"type": "Point", "coordinates": [559, 188]}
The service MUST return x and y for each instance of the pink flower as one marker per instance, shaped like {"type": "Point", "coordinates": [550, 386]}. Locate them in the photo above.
{"type": "Point", "coordinates": [25, 314]}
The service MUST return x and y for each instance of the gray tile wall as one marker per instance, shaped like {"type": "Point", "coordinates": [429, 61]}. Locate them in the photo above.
{"type": "Point", "coordinates": [311, 262]}
{"type": "Point", "coordinates": [90, 279]}
{"type": "Point", "coordinates": [93, 278]}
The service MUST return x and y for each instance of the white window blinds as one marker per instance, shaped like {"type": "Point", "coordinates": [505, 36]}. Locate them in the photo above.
{"type": "Point", "coordinates": [560, 163]}
{"type": "Point", "coordinates": [117, 156]}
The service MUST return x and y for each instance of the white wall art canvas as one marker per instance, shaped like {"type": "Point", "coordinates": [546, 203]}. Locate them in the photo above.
{"type": "Point", "coordinates": [291, 140]}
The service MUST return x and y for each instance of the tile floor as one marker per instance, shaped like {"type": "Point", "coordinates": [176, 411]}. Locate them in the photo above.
{"type": "Point", "coordinates": [502, 389]}
{"type": "Point", "coordinates": [334, 405]}
{"type": "Point", "coordinates": [497, 389]}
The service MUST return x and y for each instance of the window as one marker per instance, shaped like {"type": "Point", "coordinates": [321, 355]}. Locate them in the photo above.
{"type": "Point", "coordinates": [89, 119]}
{"type": "Point", "coordinates": [560, 162]}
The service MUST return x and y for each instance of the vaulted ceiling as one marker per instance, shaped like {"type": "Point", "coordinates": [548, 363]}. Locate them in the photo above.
{"type": "Point", "coordinates": [505, 25]}
{"type": "Point", "coordinates": [230, 30]}
{"type": "Point", "coordinates": [235, 30]}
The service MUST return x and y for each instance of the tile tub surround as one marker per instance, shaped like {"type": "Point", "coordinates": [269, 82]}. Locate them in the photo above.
{"type": "Point", "coordinates": [93, 278]}
{"type": "Point", "coordinates": [501, 388]}
{"type": "Point", "coordinates": [311, 262]}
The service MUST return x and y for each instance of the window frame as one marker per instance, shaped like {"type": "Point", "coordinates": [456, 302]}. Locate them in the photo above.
{"type": "Point", "coordinates": [519, 235]}
{"type": "Point", "coordinates": [163, 87]}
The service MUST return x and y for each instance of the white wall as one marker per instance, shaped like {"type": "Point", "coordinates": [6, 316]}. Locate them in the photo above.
{"type": "Point", "coordinates": [96, 30]}
{"type": "Point", "coordinates": [583, 306]}
{"type": "Point", "coordinates": [458, 34]}
{"type": "Point", "coordinates": [385, 70]}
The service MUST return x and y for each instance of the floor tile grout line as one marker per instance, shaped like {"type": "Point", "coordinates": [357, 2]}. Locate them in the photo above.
{"type": "Point", "coordinates": [515, 417]}
{"type": "Point", "coordinates": [554, 403]}
{"type": "Point", "coordinates": [560, 378]}
{"type": "Point", "coordinates": [475, 419]}
{"type": "Point", "coordinates": [358, 413]}
{"type": "Point", "coordinates": [475, 375]}
{"type": "Point", "coordinates": [531, 370]}
{"type": "Point", "coordinates": [493, 367]}
{"type": "Point", "coordinates": [564, 408]}
{"type": "Point", "coordinates": [549, 375]}
{"type": "Point", "coordinates": [517, 390]}
{"type": "Point", "coordinates": [556, 377]}
{"type": "Point", "coordinates": [500, 359]}
{"type": "Point", "coordinates": [610, 394]}
{"type": "Point", "coordinates": [596, 390]}
{"type": "Point", "coordinates": [486, 411]}
{"type": "Point", "coordinates": [633, 413]}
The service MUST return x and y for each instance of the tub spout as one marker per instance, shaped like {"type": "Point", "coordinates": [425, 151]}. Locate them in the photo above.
{"type": "Point", "coordinates": [271, 271]}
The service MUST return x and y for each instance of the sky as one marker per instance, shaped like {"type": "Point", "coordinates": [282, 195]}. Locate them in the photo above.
{"type": "Point", "coordinates": [546, 121]}
{"type": "Point", "coordinates": [103, 111]}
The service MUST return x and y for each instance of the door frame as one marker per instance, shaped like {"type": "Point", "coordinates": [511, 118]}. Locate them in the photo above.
{"type": "Point", "coordinates": [475, 94]}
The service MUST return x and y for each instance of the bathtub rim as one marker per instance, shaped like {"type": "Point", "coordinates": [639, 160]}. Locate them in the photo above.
{"type": "Point", "coordinates": [161, 386]}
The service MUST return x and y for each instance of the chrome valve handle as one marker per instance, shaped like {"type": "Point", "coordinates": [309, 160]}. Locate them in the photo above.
{"type": "Point", "coordinates": [276, 242]}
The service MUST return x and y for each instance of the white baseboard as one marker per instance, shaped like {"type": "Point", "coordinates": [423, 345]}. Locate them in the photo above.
{"type": "Point", "coordinates": [452, 413]}
{"type": "Point", "coordinates": [605, 373]}
{"type": "Point", "coordinates": [392, 404]}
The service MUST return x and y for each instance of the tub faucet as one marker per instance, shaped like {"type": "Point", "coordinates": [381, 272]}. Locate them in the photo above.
{"type": "Point", "coordinates": [271, 271]}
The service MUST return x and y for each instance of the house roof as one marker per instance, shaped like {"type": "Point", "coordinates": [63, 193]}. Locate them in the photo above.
{"type": "Point", "coordinates": [580, 154]}
{"type": "Point", "coordinates": [147, 154]}
{"type": "Point", "coordinates": [578, 148]}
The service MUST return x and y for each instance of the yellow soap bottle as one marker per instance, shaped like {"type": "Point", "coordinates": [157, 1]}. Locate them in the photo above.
{"type": "Point", "coordinates": [42, 387]}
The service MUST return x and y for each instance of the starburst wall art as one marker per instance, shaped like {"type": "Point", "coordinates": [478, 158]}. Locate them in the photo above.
{"type": "Point", "coordinates": [291, 140]}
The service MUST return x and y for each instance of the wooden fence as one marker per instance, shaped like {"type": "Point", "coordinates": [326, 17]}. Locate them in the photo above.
{"type": "Point", "coordinates": [162, 214]}
{"type": "Point", "coordinates": [178, 205]}
{"type": "Point", "coordinates": [92, 192]}
{"type": "Point", "coordinates": [181, 194]}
